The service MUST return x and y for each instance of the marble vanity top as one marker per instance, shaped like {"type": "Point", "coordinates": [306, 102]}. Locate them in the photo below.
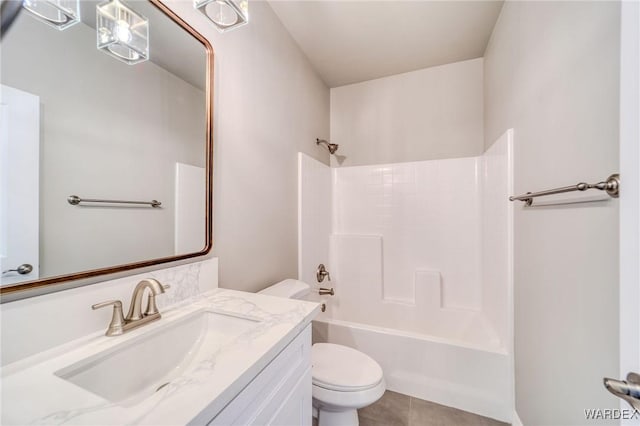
{"type": "Point", "coordinates": [33, 394]}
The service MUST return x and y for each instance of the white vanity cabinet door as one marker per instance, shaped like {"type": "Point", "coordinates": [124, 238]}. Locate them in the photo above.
{"type": "Point", "coordinates": [297, 409]}
{"type": "Point", "coordinates": [279, 395]}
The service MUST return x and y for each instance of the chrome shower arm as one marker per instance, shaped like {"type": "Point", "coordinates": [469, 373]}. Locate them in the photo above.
{"type": "Point", "coordinates": [332, 147]}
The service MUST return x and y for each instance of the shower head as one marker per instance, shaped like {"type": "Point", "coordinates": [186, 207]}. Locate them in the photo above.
{"type": "Point", "coordinates": [332, 147]}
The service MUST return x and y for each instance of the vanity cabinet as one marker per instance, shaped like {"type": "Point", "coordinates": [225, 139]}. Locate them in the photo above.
{"type": "Point", "coordinates": [227, 358]}
{"type": "Point", "coordinates": [279, 395]}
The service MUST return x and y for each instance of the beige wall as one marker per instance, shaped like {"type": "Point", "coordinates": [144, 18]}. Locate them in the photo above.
{"type": "Point", "coordinates": [421, 115]}
{"type": "Point", "coordinates": [552, 72]}
{"type": "Point", "coordinates": [269, 105]}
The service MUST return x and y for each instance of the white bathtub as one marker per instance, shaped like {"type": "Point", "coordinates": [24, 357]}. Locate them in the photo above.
{"type": "Point", "coordinates": [455, 374]}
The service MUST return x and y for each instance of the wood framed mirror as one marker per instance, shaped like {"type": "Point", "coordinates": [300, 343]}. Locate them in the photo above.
{"type": "Point", "coordinates": [107, 166]}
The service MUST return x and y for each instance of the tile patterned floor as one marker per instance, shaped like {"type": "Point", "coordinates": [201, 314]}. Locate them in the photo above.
{"type": "Point", "coordinates": [396, 409]}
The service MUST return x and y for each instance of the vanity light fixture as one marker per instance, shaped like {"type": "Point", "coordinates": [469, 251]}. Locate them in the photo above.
{"type": "Point", "coordinates": [225, 14]}
{"type": "Point", "coordinates": [59, 14]}
{"type": "Point", "coordinates": [122, 32]}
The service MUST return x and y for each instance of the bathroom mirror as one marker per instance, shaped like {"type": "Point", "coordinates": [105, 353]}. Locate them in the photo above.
{"type": "Point", "coordinates": [106, 153]}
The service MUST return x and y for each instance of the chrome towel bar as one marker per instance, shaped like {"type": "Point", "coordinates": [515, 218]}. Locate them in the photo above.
{"type": "Point", "coordinates": [75, 200]}
{"type": "Point", "coordinates": [611, 186]}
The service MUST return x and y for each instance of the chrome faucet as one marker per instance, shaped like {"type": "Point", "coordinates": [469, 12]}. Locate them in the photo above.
{"type": "Point", "coordinates": [135, 310]}
{"type": "Point", "coordinates": [135, 318]}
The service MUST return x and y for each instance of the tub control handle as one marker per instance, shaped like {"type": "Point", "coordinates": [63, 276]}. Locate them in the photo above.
{"type": "Point", "coordinates": [322, 272]}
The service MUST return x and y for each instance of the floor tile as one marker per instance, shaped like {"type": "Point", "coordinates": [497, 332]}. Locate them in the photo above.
{"type": "Point", "coordinates": [425, 413]}
{"type": "Point", "coordinates": [370, 422]}
{"type": "Point", "coordinates": [390, 410]}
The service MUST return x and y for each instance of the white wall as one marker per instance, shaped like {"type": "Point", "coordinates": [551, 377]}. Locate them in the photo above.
{"type": "Point", "coordinates": [269, 105]}
{"type": "Point", "coordinates": [83, 92]}
{"type": "Point", "coordinates": [497, 238]}
{"type": "Point", "coordinates": [314, 218]}
{"type": "Point", "coordinates": [552, 73]}
{"type": "Point", "coordinates": [421, 115]}
{"type": "Point", "coordinates": [30, 326]}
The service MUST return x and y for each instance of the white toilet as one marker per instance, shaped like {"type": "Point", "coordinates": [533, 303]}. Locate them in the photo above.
{"type": "Point", "coordinates": [344, 379]}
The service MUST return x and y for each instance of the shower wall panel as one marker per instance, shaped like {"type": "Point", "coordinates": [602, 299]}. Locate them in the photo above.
{"type": "Point", "coordinates": [422, 247]}
{"type": "Point", "coordinates": [428, 215]}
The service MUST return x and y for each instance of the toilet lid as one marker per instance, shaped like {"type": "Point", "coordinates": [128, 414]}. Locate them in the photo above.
{"type": "Point", "coordinates": [341, 368]}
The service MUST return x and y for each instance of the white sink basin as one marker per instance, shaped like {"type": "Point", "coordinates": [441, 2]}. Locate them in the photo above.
{"type": "Point", "coordinates": [141, 366]}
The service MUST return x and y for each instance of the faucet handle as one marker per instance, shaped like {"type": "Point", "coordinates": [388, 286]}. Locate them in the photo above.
{"type": "Point", "coordinates": [116, 326]}
{"type": "Point", "coordinates": [152, 308]}
{"type": "Point", "coordinates": [322, 272]}
{"type": "Point", "coordinates": [116, 303]}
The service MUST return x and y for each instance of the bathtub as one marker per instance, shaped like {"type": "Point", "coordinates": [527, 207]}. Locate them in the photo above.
{"type": "Point", "coordinates": [454, 373]}
{"type": "Point", "coordinates": [422, 272]}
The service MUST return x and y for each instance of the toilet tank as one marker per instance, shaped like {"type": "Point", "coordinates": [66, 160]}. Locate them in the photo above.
{"type": "Point", "coordinates": [290, 288]}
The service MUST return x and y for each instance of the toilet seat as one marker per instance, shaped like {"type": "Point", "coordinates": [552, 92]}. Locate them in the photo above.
{"type": "Point", "coordinates": [343, 369]}
{"type": "Point", "coordinates": [331, 400]}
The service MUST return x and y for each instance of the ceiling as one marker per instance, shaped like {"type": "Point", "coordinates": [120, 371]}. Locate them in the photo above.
{"type": "Point", "coordinates": [353, 41]}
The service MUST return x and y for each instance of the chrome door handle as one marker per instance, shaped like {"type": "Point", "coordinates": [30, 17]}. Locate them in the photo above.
{"type": "Point", "coordinates": [23, 269]}
{"type": "Point", "coordinates": [628, 390]}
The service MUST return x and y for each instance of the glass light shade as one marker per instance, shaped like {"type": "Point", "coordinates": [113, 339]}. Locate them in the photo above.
{"type": "Point", "coordinates": [122, 32]}
{"type": "Point", "coordinates": [59, 14]}
{"type": "Point", "coordinates": [225, 14]}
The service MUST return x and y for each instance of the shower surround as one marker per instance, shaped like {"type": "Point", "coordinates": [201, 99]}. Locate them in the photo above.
{"type": "Point", "coordinates": [420, 256]}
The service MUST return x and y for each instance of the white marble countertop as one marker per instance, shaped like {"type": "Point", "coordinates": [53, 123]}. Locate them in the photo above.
{"type": "Point", "coordinates": [33, 394]}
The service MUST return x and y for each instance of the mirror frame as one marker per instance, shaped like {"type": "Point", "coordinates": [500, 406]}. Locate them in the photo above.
{"type": "Point", "coordinates": [51, 282]}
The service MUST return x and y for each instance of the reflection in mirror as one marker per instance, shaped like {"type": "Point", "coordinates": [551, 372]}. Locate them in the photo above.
{"type": "Point", "coordinates": [79, 122]}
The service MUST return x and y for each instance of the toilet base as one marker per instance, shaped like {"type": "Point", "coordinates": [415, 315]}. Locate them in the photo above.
{"type": "Point", "coordinates": [336, 408]}
{"type": "Point", "coordinates": [338, 418]}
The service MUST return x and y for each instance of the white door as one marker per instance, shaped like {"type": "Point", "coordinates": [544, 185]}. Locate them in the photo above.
{"type": "Point", "coordinates": [630, 203]}
{"type": "Point", "coordinates": [19, 185]}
